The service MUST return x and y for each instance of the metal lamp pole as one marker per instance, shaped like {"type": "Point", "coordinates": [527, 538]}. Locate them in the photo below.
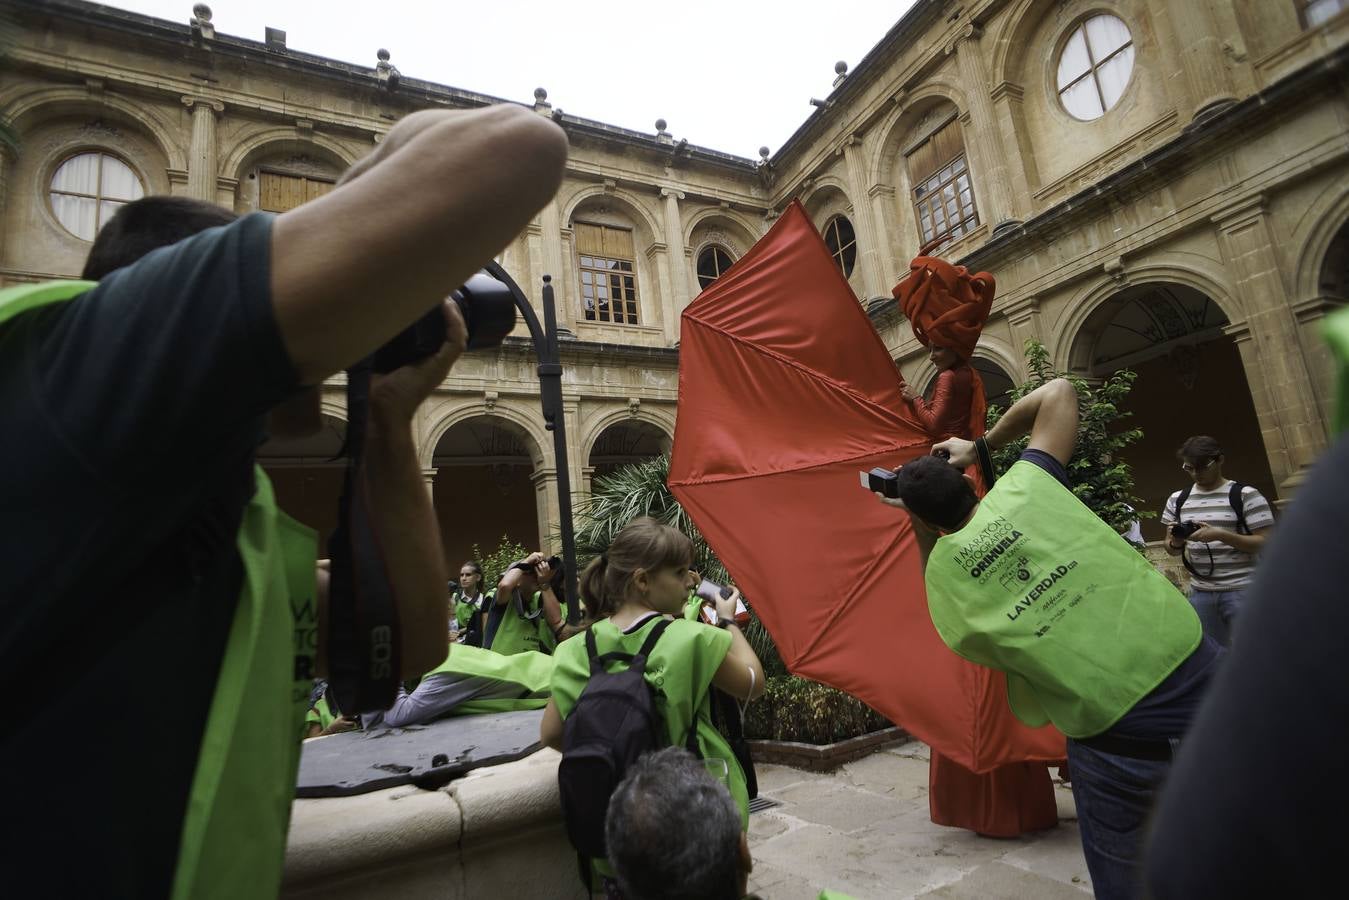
{"type": "Point", "coordinates": [550, 390]}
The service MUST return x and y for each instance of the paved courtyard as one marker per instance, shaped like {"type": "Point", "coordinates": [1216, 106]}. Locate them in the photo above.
{"type": "Point", "coordinates": [864, 830]}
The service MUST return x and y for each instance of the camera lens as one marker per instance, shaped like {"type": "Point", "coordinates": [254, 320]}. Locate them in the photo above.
{"type": "Point", "coordinates": [488, 310]}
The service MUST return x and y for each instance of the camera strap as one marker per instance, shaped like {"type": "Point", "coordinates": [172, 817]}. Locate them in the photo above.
{"type": "Point", "coordinates": [363, 634]}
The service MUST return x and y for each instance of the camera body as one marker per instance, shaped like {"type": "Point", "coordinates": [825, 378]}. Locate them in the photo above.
{"type": "Point", "coordinates": [1184, 529]}
{"type": "Point", "coordinates": [488, 309]}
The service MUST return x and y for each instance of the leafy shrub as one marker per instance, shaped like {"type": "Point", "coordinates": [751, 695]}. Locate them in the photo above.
{"type": "Point", "coordinates": [495, 564]}
{"type": "Point", "coordinates": [796, 709]}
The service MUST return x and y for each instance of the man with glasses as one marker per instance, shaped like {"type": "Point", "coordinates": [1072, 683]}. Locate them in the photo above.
{"type": "Point", "coordinates": [1216, 526]}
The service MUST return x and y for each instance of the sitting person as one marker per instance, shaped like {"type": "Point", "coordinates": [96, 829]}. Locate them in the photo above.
{"type": "Point", "coordinates": [471, 680]}
{"type": "Point", "coordinates": [1029, 581]}
{"type": "Point", "coordinates": [638, 585]}
{"type": "Point", "coordinates": [324, 717]}
{"type": "Point", "coordinates": [528, 612]}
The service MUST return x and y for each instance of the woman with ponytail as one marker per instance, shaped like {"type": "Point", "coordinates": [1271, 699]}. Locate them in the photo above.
{"type": "Point", "coordinates": [644, 578]}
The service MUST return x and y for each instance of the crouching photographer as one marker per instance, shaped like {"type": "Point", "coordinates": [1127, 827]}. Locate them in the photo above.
{"type": "Point", "coordinates": [162, 552]}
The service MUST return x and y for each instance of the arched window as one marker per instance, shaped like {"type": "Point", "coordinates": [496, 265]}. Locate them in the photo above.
{"type": "Point", "coordinates": [712, 262]}
{"type": "Point", "coordinates": [842, 243]}
{"type": "Point", "coordinates": [1094, 66]}
{"type": "Point", "coordinates": [943, 195]}
{"type": "Point", "coordinates": [88, 188]}
{"type": "Point", "coordinates": [607, 263]}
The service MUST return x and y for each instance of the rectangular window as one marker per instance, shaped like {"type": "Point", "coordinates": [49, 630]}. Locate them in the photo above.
{"type": "Point", "coordinates": [943, 195]}
{"type": "Point", "coordinates": [608, 274]}
{"type": "Point", "coordinates": [279, 193]}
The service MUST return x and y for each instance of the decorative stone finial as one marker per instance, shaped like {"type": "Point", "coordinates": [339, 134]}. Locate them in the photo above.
{"type": "Point", "coordinates": [385, 71]}
{"type": "Point", "coordinates": [202, 12]}
{"type": "Point", "coordinates": [202, 29]}
{"type": "Point", "coordinates": [840, 72]}
{"type": "Point", "coordinates": [541, 104]}
{"type": "Point", "coordinates": [661, 134]}
{"type": "Point", "coordinates": [763, 153]}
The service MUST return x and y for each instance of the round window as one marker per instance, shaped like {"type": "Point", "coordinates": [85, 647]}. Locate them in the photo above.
{"type": "Point", "coordinates": [88, 188]}
{"type": "Point", "coordinates": [1094, 66]}
{"type": "Point", "coordinates": [712, 263]}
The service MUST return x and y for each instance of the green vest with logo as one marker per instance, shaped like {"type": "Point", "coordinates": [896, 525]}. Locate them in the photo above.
{"type": "Point", "coordinates": [234, 829]}
{"type": "Point", "coordinates": [518, 633]}
{"type": "Point", "coordinates": [1336, 330]}
{"type": "Point", "coordinates": [1037, 586]}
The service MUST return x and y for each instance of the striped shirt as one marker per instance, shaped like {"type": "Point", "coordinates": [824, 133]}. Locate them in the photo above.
{"type": "Point", "coordinates": [1232, 569]}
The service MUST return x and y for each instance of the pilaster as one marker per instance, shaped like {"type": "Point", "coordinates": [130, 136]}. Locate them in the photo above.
{"type": "Point", "coordinates": [996, 204]}
{"type": "Point", "coordinates": [202, 160]}
{"type": "Point", "coordinates": [869, 241]}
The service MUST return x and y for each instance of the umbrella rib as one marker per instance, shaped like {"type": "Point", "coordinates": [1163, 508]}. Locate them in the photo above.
{"type": "Point", "coordinates": [788, 361]}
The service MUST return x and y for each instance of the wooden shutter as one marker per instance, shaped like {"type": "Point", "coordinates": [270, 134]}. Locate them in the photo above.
{"type": "Point", "coordinates": [589, 239]}
{"type": "Point", "coordinates": [941, 147]}
{"type": "Point", "coordinates": [280, 193]}
{"type": "Point", "coordinates": [618, 243]}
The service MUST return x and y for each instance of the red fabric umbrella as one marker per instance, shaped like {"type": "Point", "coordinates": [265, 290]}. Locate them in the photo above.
{"type": "Point", "coordinates": [785, 393]}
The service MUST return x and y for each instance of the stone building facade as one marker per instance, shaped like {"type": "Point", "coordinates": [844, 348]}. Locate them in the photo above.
{"type": "Point", "coordinates": [1156, 184]}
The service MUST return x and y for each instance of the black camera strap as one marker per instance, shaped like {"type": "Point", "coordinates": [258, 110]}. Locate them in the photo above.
{"type": "Point", "coordinates": [363, 634]}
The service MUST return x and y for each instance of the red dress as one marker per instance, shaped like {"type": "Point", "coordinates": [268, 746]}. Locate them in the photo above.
{"type": "Point", "coordinates": [1010, 800]}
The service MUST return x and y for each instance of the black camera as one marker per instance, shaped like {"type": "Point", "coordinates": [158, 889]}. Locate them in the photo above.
{"type": "Point", "coordinates": [1184, 529]}
{"type": "Point", "coordinates": [488, 310]}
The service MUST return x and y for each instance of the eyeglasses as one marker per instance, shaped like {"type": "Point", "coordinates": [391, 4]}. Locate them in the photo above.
{"type": "Point", "coordinates": [1199, 468]}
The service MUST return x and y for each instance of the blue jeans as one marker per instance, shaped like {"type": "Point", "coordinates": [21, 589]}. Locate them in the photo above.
{"type": "Point", "coordinates": [1114, 796]}
{"type": "Point", "coordinates": [1218, 611]}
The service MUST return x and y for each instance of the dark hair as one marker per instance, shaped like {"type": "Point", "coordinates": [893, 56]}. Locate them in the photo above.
{"type": "Point", "coordinates": [936, 491]}
{"type": "Point", "coordinates": [643, 543]}
{"type": "Point", "coordinates": [1201, 446]}
{"type": "Point", "coordinates": [148, 224]}
{"type": "Point", "coordinates": [477, 570]}
{"type": "Point", "coordinates": [673, 831]}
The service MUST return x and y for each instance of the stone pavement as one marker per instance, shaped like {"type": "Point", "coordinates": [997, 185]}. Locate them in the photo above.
{"type": "Point", "coordinates": [864, 830]}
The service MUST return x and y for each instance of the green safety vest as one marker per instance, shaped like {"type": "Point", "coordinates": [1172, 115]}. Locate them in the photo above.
{"type": "Point", "coordinates": [680, 672]}
{"type": "Point", "coordinates": [516, 634]}
{"type": "Point", "coordinates": [234, 830]}
{"type": "Point", "coordinates": [532, 672]}
{"type": "Point", "coordinates": [1040, 588]}
{"type": "Point", "coordinates": [464, 609]}
{"type": "Point", "coordinates": [1336, 330]}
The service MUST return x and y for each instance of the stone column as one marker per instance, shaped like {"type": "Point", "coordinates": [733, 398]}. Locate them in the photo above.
{"type": "Point", "coordinates": [868, 236]}
{"type": "Point", "coordinates": [658, 258]}
{"type": "Point", "coordinates": [550, 226]}
{"type": "Point", "coordinates": [674, 242]}
{"type": "Point", "coordinates": [1023, 178]}
{"type": "Point", "coordinates": [544, 480]}
{"type": "Point", "coordinates": [1201, 55]}
{"type": "Point", "coordinates": [1276, 367]}
{"type": "Point", "coordinates": [429, 476]}
{"type": "Point", "coordinates": [202, 159]}
{"type": "Point", "coordinates": [1023, 316]}
{"type": "Point", "coordinates": [996, 204]}
{"type": "Point", "coordinates": [892, 260]}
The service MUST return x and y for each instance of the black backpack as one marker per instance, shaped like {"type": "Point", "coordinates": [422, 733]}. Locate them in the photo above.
{"type": "Point", "coordinates": [613, 723]}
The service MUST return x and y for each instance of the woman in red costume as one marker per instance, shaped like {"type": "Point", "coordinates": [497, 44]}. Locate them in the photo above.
{"type": "Point", "coordinates": [947, 308]}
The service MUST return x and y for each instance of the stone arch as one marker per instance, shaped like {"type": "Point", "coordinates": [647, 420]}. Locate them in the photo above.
{"type": "Point", "coordinates": [1186, 270]}
{"type": "Point", "coordinates": [26, 110]}
{"type": "Point", "coordinates": [735, 224]}
{"type": "Point", "coordinates": [1018, 26]}
{"type": "Point", "coordinates": [539, 444]}
{"type": "Point", "coordinates": [659, 419]}
{"type": "Point", "coordinates": [895, 127]}
{"type": "Point", "coordinates": [625, 439]}
{"type": "Point", "coordinates": [646, 224]}
{"type": "Point", "coordinates": [822, 197]}
{"type": "Point", "coordinates": [988, 350]}
{"type": "Point", "coordinates": [243, 155]}
{"type": "Point", "coordinates": [1323, 223]}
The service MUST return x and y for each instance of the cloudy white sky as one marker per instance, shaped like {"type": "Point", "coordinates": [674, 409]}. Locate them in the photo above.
{"type": "Point", "coordinates": [731, 75]}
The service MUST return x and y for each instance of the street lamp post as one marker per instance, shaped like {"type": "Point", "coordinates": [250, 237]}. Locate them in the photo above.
{"type": "Point", "coordinates": [550, 390]}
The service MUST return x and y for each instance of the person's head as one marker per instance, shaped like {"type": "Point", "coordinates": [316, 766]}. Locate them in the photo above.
{"type": "Point", "coordinates": [148, 224]}
{"type": "Point", "coordinates": [944, 357]}
{"type": "Point", "coordinates": [1202, 459]}
{"type": "Point", "coordinates": [470, 577]}
{"type": "Point", "coordinates": [646, 563]}
{"type": "Point", "coordinates": [937, 492]}
{"type": "Point", "coordinates": [673, 832]}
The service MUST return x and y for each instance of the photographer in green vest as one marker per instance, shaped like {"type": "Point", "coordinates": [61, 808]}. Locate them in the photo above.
{"type": "Point", "coordinates": [1030, 582]}
{"type": "Point", "coordinates": [148, 573]}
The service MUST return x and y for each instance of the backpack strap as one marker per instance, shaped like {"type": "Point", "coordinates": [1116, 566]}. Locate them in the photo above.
{"type": "Point", "coordinates": [599, 660]}
{"type": "Point", "coordinates": [1180, 500]}
{"type": "Point", "coordinates": [1238, 506]}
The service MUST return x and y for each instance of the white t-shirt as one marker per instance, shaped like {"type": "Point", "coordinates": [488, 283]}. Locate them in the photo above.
{"type": "Point", "coordinates": [1231, 569]}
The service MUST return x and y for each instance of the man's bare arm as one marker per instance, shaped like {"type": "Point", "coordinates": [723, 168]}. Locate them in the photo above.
{"type": "Point", "coordinates": [1049, 413]}
{"type": "Point", "coordinates": [444, 193]}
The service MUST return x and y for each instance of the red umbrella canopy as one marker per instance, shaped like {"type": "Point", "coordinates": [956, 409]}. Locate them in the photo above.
{"type": "Point", "coordinates": [785, 393]}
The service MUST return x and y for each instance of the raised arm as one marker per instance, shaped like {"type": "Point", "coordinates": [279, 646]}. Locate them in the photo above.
{"type": "Point", "coordinates": [444, 192]}
{"type": "Point", "coordinates": [1048, 413]}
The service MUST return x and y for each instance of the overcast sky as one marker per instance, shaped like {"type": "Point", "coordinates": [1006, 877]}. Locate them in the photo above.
{"type": "Point", "coordinates": [730, 75]}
